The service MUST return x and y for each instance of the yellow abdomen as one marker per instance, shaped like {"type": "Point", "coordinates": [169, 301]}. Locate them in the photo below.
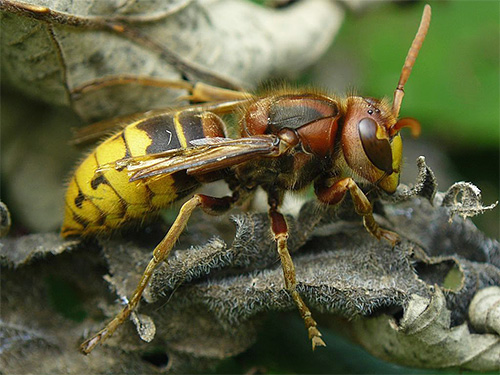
{"type": "Point", "coordinates": [103, 201]}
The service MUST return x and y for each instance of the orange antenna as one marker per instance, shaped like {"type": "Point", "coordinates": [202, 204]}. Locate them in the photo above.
{"type": "Point", "coordinates": [410, 59]}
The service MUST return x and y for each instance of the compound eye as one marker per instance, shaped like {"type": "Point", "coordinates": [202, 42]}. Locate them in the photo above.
{"type": "Point", "coordinates": [378, 150]}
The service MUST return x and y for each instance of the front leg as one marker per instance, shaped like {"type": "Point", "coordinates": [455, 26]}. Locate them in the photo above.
{"type": "Point", "coordinates": [336, 192]}
{"type": "Point", "coordinates": [280, 232]}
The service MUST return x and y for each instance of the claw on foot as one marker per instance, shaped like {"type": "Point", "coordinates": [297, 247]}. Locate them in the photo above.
{"type": "Point", "coordinates": [105, 333]}
{"type": "Point", "coordinates": [89, 345]}
{"type": "Point", "coordinates": [317, 341]}
{"type": "Point", "coordinates": [315, 337]}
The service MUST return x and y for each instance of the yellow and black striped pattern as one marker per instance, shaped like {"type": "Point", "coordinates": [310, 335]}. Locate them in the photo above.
{"type": "Point", "coordinates": [100, 202]}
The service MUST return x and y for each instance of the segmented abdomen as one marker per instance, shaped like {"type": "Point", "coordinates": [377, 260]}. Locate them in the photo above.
{"type": "Point", "coordinates": [103, 201]}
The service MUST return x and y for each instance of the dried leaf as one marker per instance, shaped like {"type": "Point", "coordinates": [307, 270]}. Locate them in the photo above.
{"type": "Point", "coordinates": [5, 221]}
{"type": "Point", "coordinates": [424, 337]}
{"type": "Point", "coordinates": [464, 199]}
{"type": "Point", "coordinates": [145, 326]}
{"type": "Point", "coordinates": [15, 252]}
{"type": "Point", "coordinates": [37, 337]}
{"type": "Point", "coordinates": [484, 310]}
{"type": "Point", "coordinates": [61, 51]}
{"type": "Point", "coordinates": [426, 185]}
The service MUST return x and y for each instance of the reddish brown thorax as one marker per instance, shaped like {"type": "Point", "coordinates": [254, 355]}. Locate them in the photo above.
{"type": "Point", "coordinates": [312, 117]}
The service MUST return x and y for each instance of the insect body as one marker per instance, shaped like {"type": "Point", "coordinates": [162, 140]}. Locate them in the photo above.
{"type": "Point", "coordinates": [287, 141]}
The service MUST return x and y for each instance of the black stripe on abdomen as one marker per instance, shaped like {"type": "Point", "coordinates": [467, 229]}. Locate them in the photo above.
{"type": "Point", "coordinates": [161, 131]}
{"type": "Point", "coordinates": [192, 126]}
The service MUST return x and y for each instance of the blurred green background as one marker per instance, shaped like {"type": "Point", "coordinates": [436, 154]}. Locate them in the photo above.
{"type": "Point", "coordinates": [454, 88]}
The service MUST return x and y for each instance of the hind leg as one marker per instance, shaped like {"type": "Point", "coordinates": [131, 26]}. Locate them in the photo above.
{"type": "Point", "coordinates": [160, 254]}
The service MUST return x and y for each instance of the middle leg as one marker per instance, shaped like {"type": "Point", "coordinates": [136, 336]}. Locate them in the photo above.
{"type": "Point", "coordinates": [280, 232]}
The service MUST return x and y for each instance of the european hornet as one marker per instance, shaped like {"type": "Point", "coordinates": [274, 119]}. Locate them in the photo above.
{"type": "Point", "coordinates": [287, 141]}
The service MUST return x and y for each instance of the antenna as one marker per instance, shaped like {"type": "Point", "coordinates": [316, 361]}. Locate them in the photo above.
{"type": "Point", "coordinates": [410, 59]}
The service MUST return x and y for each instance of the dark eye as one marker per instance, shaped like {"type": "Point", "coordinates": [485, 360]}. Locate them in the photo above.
{"type": "Point", "coordinates": [378, 150]}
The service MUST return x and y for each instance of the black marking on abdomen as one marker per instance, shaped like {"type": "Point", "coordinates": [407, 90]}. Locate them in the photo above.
{"type": "Point", "coordinates": [85, 198]}
{"type": "Point", "coordinates": [192, 126]}
{"type": "Point", "coordinates": [149, 195]}
{"type": "Point", "coordinates": [79, 199]}
{"type": "Point", "coordinates": [84, 222]}
{"type": "Point", "coordinates": [97, 180]}
{"type": "Point", "coordinates": [161, 131]}
{"type": "Point", "coordinates": [127, 149]}
{"type": "Point", "coordinates": [80, 220]}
